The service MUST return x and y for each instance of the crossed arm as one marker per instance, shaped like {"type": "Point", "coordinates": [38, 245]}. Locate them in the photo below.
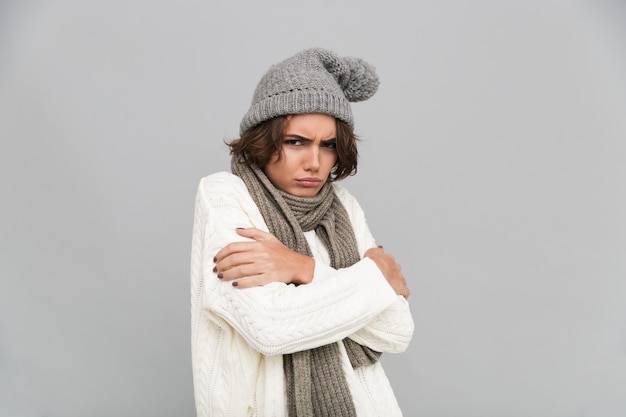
{"type": "Point", "coordinates": [272, 314]}
{"type": "Point", "coordinates": [265, 259]}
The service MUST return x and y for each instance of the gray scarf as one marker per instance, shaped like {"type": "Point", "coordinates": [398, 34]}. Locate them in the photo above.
{"type": "Point", "coordinates": [315, 383]}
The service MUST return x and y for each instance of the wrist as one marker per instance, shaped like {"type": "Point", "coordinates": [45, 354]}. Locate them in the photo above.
{"type": "Point", "coordinates": [306, 272]}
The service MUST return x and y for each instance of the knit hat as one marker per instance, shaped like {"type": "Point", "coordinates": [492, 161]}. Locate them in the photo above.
{"type": "Point", "coordinates": [314, 80]}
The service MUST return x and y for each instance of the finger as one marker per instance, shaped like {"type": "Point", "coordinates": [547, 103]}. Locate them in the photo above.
{"type": "Point", "coordinates": [240, 271]}
{"type": "Point", "coordinates": [249, 282]}
{"type": "Point", "coordinates": [232, 248]}
{"type": "Point", "coordinates": [373, 252]}
{"type": "Point", "coordinates": [234, 262]}
{"type": "Point", "coordinates": [253, 233]}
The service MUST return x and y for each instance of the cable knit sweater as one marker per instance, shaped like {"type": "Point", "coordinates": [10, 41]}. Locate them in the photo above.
{"type": "Point", "coordinates": [240, 335]}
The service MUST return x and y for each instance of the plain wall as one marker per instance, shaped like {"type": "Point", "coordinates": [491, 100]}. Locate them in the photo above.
{"type": "Point", "coordinates": [492, 166]}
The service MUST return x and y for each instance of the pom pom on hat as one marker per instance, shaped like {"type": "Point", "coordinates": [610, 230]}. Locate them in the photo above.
{"type": "Point", "coordinates": [315, 80]}
{"type": "Point", "coordinates": [363, 82]}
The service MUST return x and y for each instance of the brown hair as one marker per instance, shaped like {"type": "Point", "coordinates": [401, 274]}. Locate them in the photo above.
{"type": "Point", "coordinates": [259, 144]}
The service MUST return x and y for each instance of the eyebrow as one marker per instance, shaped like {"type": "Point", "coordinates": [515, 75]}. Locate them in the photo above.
{"type": "Point", "coordinates": [302, 138]}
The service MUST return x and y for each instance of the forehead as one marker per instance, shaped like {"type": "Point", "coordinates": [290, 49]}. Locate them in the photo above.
{"type": "Point", "coordinates": [311, 125]}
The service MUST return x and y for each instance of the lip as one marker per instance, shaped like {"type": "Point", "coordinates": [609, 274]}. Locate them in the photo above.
{"type": "Point", "coordinates": [309, 182]}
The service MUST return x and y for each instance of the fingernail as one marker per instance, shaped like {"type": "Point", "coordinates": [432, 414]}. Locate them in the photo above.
{"type": "Point", "coordinates": [380, 246]}
{"type": "Point", "coordinates": [235, 283]}
{"type": "Point", "coordinates": [240, 228]}
{"type": "Point", "coordinates": [215, 259]}
{"type": "Point", "coordinates": [220, 275]}
{"type": "Point", "coordinates": [214, 269]}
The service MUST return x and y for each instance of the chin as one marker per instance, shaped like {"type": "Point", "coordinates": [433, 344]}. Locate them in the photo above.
{"type": "Point", "coordinates": [306, 192]}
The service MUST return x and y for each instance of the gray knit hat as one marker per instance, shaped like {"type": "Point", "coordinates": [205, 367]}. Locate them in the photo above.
{"type": "Point", "coordinates": [314, 80]}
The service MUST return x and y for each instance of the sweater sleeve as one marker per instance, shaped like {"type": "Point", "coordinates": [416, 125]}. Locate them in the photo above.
{"type": "Point", "coordinates": [392, 329]}
{"type": "Point", "coordinates": [279, 318]}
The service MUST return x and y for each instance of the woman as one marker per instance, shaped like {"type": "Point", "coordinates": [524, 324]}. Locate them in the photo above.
{"type": "Point", "coordinates": [292, 300]}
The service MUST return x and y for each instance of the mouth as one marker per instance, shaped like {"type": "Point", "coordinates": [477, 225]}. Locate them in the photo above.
{"type": "Point", "coordinates": [309, 182]}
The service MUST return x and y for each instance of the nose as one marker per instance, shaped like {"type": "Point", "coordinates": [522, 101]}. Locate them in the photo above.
{"type": "Point", "coordinates": [312, 162]}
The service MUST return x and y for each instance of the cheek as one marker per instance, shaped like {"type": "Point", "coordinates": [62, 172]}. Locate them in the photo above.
{"type": "Point", "coordinates": [272, 171]}
{"type": "Point", "coordinates": [277, 169]}
{"type": "Point", "coordinates": [289, 160]}
{"type": "Point", "coordinates": [330, 160]}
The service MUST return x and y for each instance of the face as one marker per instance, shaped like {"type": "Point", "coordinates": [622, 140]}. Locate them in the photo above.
{"type": "Point", "coordinates": [308, 155]}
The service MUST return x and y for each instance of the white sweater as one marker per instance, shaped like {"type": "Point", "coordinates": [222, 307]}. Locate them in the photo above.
{"type": "Point", "coordinates": [240, 335]}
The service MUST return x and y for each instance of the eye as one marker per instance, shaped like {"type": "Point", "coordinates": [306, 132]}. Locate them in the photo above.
{"type": "Point", "coordinates": [293, 142]}
{"type": "Point", "coordinates": [330, 145]}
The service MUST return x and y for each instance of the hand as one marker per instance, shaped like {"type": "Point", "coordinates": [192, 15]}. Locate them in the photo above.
{"type": "Point", "coordinates": [390, 269]}
{"type": "Point", "coordinates": [261, 261]}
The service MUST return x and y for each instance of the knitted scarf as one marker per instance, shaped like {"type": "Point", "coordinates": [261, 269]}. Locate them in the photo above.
{"type": "Point", "coordinates": [315, 383]}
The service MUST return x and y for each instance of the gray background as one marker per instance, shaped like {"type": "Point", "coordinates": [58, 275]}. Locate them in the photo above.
{"type": "Point", "coordinates": [492, 167]}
